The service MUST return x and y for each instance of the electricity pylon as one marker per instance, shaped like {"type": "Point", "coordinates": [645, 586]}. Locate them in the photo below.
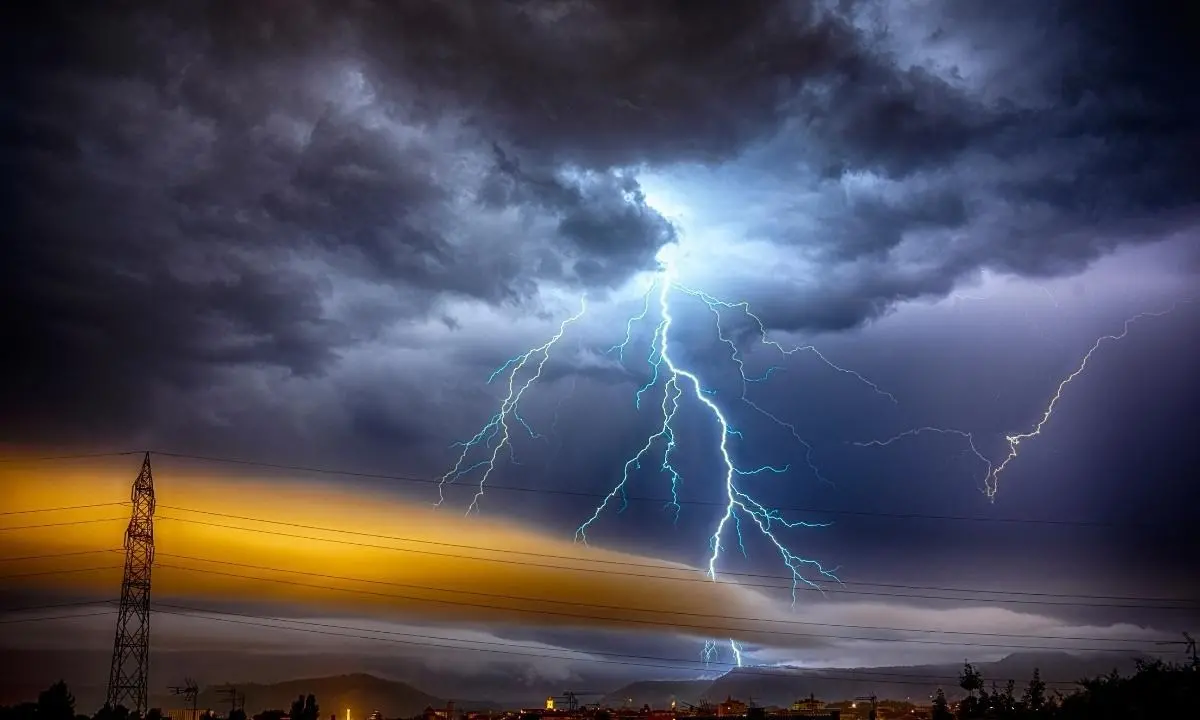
{"type": "Point", "coordinates": [131, 646]}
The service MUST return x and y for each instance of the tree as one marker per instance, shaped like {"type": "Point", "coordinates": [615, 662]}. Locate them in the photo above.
{"type": "Point", "coordinates": [941, 708]}
{"type": "Point", "coordinates": [1005, 703]}
{"type": "Point", "coordinates": [108, 712]}
{"type": "Point", "coordinates": [154, 714]}
{"type": "Point", "coordinates": [970, 679]}
{"type": "Point", "coordinates": [1034, 698]}
{"type": "Point", "coordinates": [56, 703]}
{"type": "Point", "coordinates": [306, 708]}
{"type": "Point", "coordinates": [976, 701]}
{"type": "Point", "coordinates": [1156, 690]}
{"type": "Point", "coordinates": [21, 711]}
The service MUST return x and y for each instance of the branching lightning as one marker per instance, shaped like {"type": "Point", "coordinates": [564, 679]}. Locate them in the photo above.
{"type": "Point", "coordinates": [991, 481]}
{"type": "Point", "coordinates": [676, 381]}
{"type": "Point", "coordinates": [495, 434]}
{"type": "Point", "coordinates": [678, 385]}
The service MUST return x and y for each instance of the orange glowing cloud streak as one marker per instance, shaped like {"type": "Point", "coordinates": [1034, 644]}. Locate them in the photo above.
{"type": "Point", "coordinates": [341, 548]}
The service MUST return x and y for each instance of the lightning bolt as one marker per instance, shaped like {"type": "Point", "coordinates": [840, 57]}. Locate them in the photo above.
{"type": "Point", "coordinates": [1014, 441]}
{"type": "Point", "coordinates": [678, 381]}
{"type": "Point", "coordinates": [673, 386]}
{"type": "Point", "coordinates": [991, 483]}
{"type": "Point", "coordinates": [495, 435]}
{"type": "Point", "coordinates": [941, 431]}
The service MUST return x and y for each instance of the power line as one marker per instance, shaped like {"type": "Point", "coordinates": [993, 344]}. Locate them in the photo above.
{"type": "Point", "coordinates": [656, 623]}
{"type": "Point", "coordinates": [623, 608]}
{"type": "Point", "coordinates": [632, 498]}
{"type": "Point", "coordinates": [62, 524]}
{"type": "Point", "coordinates": [620, 608]}
{"type": "Point", "coordinates": [59, 572]}
{"type": "Point", "coordinates": [56, 617]}
{"type": "Point", "coordinates": [641, 565]}
{"type": "Point", "coordinates": [57, 555]}
{"type": "Point", "coordinates": [319, 628]}
{"type": "Point", "coordinates": [79, 456]}
{"type": "Point", "coordinates": [53, 606]}
{"type": "Point", "coordinates": [1139, 603]}
{"type": "Point", "coordinates": [651, 566]}
{"type": "Point", "coordinates": [62, 508]}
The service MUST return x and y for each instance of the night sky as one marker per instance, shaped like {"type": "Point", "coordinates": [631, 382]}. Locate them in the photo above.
{"type": "Point", "coordinates": [306, 233]}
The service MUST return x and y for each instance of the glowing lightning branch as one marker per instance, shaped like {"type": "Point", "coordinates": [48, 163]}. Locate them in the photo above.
{"type": "Point", "coordinates": [497, 428]}
{"type": "Point", "coordinates": [992, 477]}
{"type": "Point", "coordinates": [941, 431]}
{"type": "Point", "coordinates": [658, 448]}
{"type": "Point", "coordinates": [992, 483]}
{"type": "Point", "coordinates": [761, 328]}
{"type": "Point", "coordinates": [739, 504]}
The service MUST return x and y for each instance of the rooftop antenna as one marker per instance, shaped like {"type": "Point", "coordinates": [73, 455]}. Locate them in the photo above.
{"type": "Point", "coordinates": [190, 692]}
{"type": "Point", "coordinates": [1189, 644]}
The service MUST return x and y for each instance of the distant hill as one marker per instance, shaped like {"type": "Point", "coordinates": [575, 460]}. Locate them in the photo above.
{"type": "Point", "coordinates": [782, 686]}
{"type": "Point", "coordinates": [657, 693]}
{"type": "Point", "coordinates": [361, 692]}
{"type": "Point", "coordinates": [365, 690]}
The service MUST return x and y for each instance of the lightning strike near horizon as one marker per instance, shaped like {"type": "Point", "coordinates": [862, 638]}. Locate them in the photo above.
{"type": "Point", "coordinates": [991, 478]}
{"type": "Point", "coordinates": [678, 386]}
{"type": "Point", "coordinates": [497, 429]}
{"type": "Point", "coordinates": [676, 380]}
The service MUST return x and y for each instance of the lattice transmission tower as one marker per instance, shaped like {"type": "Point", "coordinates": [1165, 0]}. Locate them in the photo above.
{"type": "Point", "coordinates": [131, 646]}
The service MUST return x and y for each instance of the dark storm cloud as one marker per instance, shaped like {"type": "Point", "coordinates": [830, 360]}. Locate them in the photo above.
{"type": "Point", "coordinates": [185, 194]}
{"type": "Point", "coordinates": [603, 215]}
{"type": "Point", "coordinates": [270, 185]}
{"type": "Point", "coordinates": [613, 84]}
{"type": "Point", "coordinates": [1057, 132]}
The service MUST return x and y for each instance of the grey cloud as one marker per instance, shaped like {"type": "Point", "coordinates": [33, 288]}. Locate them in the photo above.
{"type": "Point", "coordinates": [613, 84]}
{"type": "Point", "coordinates": [189, 192]}
{"type": "Point", "coordinates": [1085, 143]}
{"type": "Point", "coordinates": [603, 216]}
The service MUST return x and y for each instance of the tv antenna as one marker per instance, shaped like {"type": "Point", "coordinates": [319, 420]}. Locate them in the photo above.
{"type": "Point", "coordinates": [236, 700]}
{"type": "Point", "coordinates": [1189, 645]}
{"type": "Point", "coordinates": [190, 692]}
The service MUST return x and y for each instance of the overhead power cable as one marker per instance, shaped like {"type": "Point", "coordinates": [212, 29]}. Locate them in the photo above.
{"type": "Point", "coordinates": [619, 620]}
{"type": "Point", "coordinates": [10, 528]}
{"type": "Point", "coordinates": [993, 596]}
{"type": "Point", "coordinates": [78, 456]}
{"type": "Point", "coordinates": [540, 653]}
{"type": "Point", "coordinates": [64, 508]}
{"type": "Point", "coordinates": [633, 498]}
{"type": "Point", "coordinates": [51, 556]}
{"type": "Point", "coordinates": [660, 568]}
{"type": "Point", "coordinates": [625, 608]}
{"type": "Point", "coordinates": [43, 618]}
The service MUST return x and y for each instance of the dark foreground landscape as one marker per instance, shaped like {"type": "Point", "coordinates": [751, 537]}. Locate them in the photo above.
{"type": "Point", "coordinates": [1024, 685]}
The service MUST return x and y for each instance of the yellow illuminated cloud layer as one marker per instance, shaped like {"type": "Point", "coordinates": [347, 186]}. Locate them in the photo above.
{"type": "Point", "coordinates": [341, 548]}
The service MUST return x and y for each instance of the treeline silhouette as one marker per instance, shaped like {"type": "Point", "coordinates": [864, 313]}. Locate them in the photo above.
{"type": "Point", "coordinates": [57, 703]}
{"type": "Point", "coordinates": [1155, 690]}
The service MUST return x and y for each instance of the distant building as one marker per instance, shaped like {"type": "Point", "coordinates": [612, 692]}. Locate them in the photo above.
{"type": "Point", "coordinates": [183, 714]}
{"type": "Point", "coordinates": [811, 707]}
{"type": "Point", "coordinates": [432, 713]}
{"type": "Point", "coordinates": [731, 707]}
